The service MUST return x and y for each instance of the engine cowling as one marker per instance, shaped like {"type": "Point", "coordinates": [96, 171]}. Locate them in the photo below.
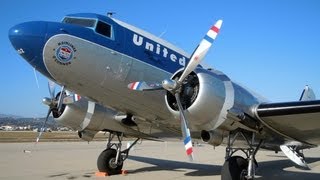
{"type": "Point", "coordinates": [202, 96]}
{"type": "Point", "coordinates": [88, 118]}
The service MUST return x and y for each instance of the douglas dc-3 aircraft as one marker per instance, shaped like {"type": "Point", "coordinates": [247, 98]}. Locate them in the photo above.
{"type": "Point", "coordinates": [122, 80]}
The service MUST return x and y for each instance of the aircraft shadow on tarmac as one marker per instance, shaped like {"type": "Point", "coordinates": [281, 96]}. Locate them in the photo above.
{"type": "Point", "coordinates": [267, 170]}
{"type": "Point", "coordinates": [278, 169]}
{"type": "Point", "coordinates": [71, 176]}
{"type": "Point", "coordinates": [170, 165]}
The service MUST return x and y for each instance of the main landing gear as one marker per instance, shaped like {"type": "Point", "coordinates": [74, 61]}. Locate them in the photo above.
{"type": "Point", "coordinates": [237, 167]}
{"type": "Point", "coordinates": [111, 159]}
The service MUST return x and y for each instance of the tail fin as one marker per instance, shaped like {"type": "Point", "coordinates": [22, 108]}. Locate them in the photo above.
{"type": "Point", "coordinates": [307, 94]}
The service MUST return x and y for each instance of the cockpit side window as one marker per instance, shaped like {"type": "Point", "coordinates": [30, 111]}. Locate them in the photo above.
{"type": "Point", "coordinates": [80, 21]}
{"type": "Point", "coordinates": [104, 29]}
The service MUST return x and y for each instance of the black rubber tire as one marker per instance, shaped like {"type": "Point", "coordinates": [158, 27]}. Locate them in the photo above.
{"type": "Point", "coordinates": [234, 168]}
{"type": "Point", "coordinates": [104, 162]}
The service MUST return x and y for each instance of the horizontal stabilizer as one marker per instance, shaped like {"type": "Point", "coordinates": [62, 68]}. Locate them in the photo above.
{"type": "Point", "coordinates": [294, 156]}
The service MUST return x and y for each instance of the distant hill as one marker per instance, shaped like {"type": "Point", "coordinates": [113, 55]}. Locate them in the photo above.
{"type": "Point", "coordinates": [6, 120]}
{"type": "Point", "coordinates": [9, 116]}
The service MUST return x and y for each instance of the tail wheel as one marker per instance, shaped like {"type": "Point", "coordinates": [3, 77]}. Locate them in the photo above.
{"type": "Point", "coordinates": [234, 168]}
{"type": "Point", "coordinates": [107, 162]}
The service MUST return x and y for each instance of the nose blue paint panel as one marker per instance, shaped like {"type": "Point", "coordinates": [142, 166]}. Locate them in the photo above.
{"type": "Point", "coordinates": [29, 39]}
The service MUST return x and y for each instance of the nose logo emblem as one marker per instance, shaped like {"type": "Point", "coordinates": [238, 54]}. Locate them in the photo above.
{"type": "Point", "coordinates": [65, 53]}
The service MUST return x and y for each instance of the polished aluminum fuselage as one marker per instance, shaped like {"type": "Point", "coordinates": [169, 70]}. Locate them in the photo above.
{"type": "Point", "coordinates": [102, 75]}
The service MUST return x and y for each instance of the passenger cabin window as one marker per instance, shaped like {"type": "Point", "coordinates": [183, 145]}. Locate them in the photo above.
{"type": "Point", "coordinates": [104, 29]}
{"type": "Point", "coordinates": [80, 21]}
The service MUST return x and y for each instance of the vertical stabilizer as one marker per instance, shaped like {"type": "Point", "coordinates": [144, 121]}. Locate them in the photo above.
{"type": "Point", "coordinates": [307, 94]}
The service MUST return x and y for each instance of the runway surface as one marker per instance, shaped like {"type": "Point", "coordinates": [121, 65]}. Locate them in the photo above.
{"type": "Point", "coordinates": [149, 160]}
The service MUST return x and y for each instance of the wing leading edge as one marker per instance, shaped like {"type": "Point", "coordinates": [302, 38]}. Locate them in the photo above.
{"type": "Point", "coordinates": [299, 121]}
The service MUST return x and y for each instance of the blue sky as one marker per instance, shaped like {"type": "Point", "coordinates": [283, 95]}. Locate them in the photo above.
{"type": "Point", "coordinates": [272, 47]}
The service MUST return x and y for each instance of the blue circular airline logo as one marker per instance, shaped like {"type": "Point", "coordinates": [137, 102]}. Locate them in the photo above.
{"type": "Point", "coordinates": [64, 53]}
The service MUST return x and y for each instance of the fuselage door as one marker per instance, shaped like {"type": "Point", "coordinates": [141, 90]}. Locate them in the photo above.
{"type": "Point", "coordinates": [112, 36]}
{"type": "Point", "coordinates": [126, 61]}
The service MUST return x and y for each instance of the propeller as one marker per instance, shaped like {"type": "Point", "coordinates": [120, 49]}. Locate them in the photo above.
{"type": "Point", "coordinates": [51, 102]}
{"type": "Point", "coordinates": [56, 104]}
{"type": "Point", "coordinates": [174, 85]}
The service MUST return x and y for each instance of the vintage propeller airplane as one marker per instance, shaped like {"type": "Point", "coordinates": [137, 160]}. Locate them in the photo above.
{"type": "Point", "coordinates": [133, 83]}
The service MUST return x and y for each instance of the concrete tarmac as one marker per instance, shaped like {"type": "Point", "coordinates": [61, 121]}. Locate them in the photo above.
{"type": "Point", "coordinates": [149, 160]}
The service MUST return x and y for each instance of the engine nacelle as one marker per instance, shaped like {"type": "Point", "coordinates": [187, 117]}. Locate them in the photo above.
{"type": "Point", "coordinates": [88, 118]}
{"type": "Point", "coordinates": [202, 95]}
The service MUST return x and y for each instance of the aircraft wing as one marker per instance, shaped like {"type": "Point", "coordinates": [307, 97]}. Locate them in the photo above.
{"type": "Point", "coordinates": [298, 121]}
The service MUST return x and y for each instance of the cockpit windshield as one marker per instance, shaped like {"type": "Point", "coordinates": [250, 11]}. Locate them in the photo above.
{"type": "Point", "coordinates": [98, 26]}
{"type": "Point", "coordinates": [80, 21]}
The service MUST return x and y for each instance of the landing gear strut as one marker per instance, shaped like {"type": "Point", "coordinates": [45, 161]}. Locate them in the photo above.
{"type": "Point", "coordinates": [111, 159]}
{"type": "Point", "coordinates": [237, 167]}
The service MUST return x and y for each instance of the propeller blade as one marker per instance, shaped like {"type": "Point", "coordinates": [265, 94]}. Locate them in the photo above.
{"type": "Point", "coordinates": [144, 86]}
{"type": "Point", "coordinates": [51, 87]}
{"type": "Point", "coordinates": [36, 77]}
{"type": "Point", "coordinates": [201, 50]}
{"type": "Point", "coordinates": [60, 101]}
{"type": "Point", "coordinates": [44, 125]}
{"type": "Point", "coordinates": [185, 130]}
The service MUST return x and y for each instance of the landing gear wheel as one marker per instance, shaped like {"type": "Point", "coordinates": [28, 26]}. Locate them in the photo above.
{"type": "Point", "coordinates": [106, 162]}
{"type": "Point", "coordinates": [234, 168]}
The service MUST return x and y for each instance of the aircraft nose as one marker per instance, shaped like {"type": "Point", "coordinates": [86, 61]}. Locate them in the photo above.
{"type": "Point", "coordinates": [29, 39]}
